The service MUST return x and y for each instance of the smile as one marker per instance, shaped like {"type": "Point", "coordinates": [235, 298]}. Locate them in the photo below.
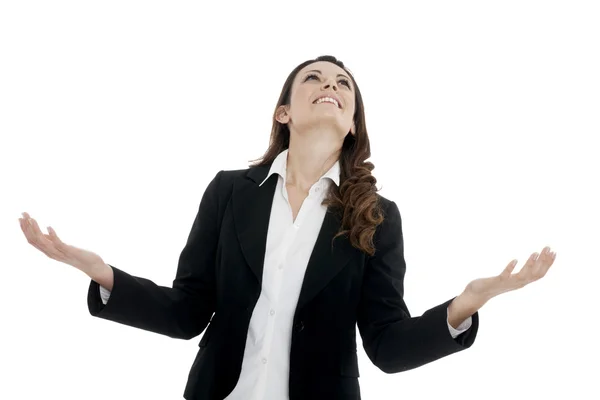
{"type": "Point", "coordinates": [327, 100]}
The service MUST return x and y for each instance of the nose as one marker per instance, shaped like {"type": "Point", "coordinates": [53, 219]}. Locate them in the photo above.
{"type": "Point", "coordinates": [330, 83]}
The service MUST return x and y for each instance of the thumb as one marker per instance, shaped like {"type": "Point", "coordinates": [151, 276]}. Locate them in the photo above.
{"type": "Point", "coordinates": [509, 268]}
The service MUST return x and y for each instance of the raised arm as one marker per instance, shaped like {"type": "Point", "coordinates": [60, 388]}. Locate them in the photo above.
{"type": "Point", "coordinates": [183, 310]}
{"type": "Point", "coordinates": [393, 340]}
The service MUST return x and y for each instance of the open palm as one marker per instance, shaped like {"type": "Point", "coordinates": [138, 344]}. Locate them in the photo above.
{"type": "Point", "coordinates": [535, 268]}
{"type": "Point", "coordinates": [51, 245]}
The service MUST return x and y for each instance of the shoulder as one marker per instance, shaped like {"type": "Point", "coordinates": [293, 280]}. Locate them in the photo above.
{"type": "Point", "coordinates": [224, 180]}
{"type": "Point", "coordinates": [391, 226]}
{"type": "Point", "coordinates": [227, 176]}
{"type": "Point", "coordinates": [388, 206]}
{"type": "Point", "coordinates": [255, 173]}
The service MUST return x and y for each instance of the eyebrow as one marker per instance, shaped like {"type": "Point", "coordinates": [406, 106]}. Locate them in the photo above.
{"type": "Point", "coordinates": [342, 75]}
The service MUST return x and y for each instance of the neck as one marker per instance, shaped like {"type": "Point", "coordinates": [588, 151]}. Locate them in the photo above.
{"type": "Point", "coordinates": [310, 156]}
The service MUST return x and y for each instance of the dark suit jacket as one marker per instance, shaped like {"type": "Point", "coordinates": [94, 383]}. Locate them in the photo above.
{"type": "Point", "coordinates": [218, 283]}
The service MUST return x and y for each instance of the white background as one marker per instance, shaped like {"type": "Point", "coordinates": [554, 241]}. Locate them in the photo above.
{"type": "Point", "coordinates": [484, 124]}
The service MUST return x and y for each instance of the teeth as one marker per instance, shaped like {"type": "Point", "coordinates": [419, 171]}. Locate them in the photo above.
{"type": "Point", "coordinates": [328, 100]}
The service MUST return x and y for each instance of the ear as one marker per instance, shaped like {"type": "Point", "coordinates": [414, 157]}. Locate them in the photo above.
{"type": "Point", "coordinates": [353, 129]}
{"type": "Point", "coordinates": [282, 115]}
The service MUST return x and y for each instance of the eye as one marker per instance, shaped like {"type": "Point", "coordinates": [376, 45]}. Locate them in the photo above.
{"type": "Point", "coordinates": [310, 76]}
{"type": "Point", "coordinates": [342, 81]}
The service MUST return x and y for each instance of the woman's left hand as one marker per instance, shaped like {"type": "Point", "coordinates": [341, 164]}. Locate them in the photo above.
{"type": "Point", "coordinates": [534, 269]}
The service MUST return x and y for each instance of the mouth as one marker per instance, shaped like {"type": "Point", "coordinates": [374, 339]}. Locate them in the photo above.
{"type": "Point", "coordinates": [328, 99]}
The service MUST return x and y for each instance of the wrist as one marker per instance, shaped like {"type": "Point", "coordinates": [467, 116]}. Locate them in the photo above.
{"type": "Point", "coordinates": [103, 274]}
{"type": "Point", "coordinates": [463, 306]}
{"type": "Point", "coordinates": [473, 300]}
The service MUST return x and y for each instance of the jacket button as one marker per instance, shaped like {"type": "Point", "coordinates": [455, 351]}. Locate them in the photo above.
{"type": "Point", "coordinates": [300, 326]}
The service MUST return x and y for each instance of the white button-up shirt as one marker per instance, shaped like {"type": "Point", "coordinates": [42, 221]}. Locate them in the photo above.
{"type": "Point", "coordinates": [265, 366]}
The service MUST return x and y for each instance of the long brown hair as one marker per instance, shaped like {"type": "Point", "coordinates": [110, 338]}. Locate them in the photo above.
{"type": "Point", "coordinates": [355, 199]}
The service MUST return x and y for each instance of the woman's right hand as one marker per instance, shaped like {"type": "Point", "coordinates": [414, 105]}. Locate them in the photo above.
{"type": "Point", "coordinates": [50, 244]}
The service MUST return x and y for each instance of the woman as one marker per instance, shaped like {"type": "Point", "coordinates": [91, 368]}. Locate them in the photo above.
{"type": "Point", "coordinates": [285, 258]}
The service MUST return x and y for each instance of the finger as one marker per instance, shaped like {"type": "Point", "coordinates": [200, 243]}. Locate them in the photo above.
{"type": "Point", "coordinates": [25, 228]}
{"type": "Point", "coordinates": [541, 265]}
{"type": "Point", "coordinates": [22, 224]}
{"type": "Point", "coordinates": [45, 245]}
{"type": "Point", "coordinates": [58, 244]}
{"type": "Point", "coordinates": [545, 262]}
{"type": "Point", "coordinates": [526, 273]}
{"type": "Point", "coordinates": [532, 260]}
{"type": "Point", "coordinates": [53, 235]}
{"type": "Point", "coordinates": [537, 270]}
{"type": "Point", "coordinates": [36, 227]}
{"type": "Point", "coordinates": [28, 220]}
{"type": "Point", "coordinates": [37, 233]}
{"type": "Point", "coordinates": [551, 254]}
{"type": "Point", "coordinates": [509, 268]}
{"type": "Point", "coordinates": [29, 234]}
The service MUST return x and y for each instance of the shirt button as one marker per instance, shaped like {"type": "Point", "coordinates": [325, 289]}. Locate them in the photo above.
{"type": "Point", "coordinates": [296, 226]}
{"type": "Point", "coordinates": [264, 360]}
{"type": "Point", "coordinates": [280, 266]}
{"type": "Point", "coordinates": [272, 312]}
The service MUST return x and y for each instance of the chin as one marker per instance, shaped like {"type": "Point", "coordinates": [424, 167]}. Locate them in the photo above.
{"type": "Point", "coordinates": [321, 121]}
{"type": "Point", "coordinates": [329, 123]}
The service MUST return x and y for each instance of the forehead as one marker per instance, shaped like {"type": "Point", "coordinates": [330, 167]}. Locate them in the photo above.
{"type": "Point", "coordinates": [325, 67]}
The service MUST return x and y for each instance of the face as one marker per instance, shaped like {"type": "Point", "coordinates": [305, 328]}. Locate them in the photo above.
{"type": "Point", "coordinates": [315, 91]}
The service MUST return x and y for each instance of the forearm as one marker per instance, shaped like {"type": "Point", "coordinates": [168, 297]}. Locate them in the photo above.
{"type": "Point", "coordinates": [411, 342]}
{"type": "Point", "coordinates": [462, 307]}
{"type": "Point", "coordinates": [181, 311]}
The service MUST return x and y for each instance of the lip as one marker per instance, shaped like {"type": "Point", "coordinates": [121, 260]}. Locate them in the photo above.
{"type": "Point", "coordinates": [333, 96]}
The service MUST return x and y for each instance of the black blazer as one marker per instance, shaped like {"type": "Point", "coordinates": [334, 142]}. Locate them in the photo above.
{"type": "Point", "coordinates": [218, 283]}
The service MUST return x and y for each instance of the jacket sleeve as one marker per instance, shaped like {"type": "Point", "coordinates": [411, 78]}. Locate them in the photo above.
{"type": "Point", "coordinates": [183, 310]}
{"type": "Point", "coordinates": [392, 339]}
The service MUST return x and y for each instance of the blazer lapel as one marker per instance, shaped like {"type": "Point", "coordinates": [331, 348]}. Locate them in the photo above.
{"type": "Point", "coordinates": [251, 211]}
{"type": "Point", "coordinates": [326, 260]}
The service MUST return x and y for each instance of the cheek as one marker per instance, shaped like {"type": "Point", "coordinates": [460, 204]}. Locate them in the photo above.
{"type": "Point", "coordinates": [298, 101]}
{"type": "Point", "coordinates": [350, 112]}
{"type": "Point", "coordinates": [350, 104]}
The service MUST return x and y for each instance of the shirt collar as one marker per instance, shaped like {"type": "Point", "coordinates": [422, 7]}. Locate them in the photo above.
{"type": "Point", "coordinates": [279, 166]}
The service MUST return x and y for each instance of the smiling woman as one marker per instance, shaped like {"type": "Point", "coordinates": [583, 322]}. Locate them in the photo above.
{"type": "Point", "coordinates": [304, 119]}
{"type": "Point", "coordinates": [286, 258]}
